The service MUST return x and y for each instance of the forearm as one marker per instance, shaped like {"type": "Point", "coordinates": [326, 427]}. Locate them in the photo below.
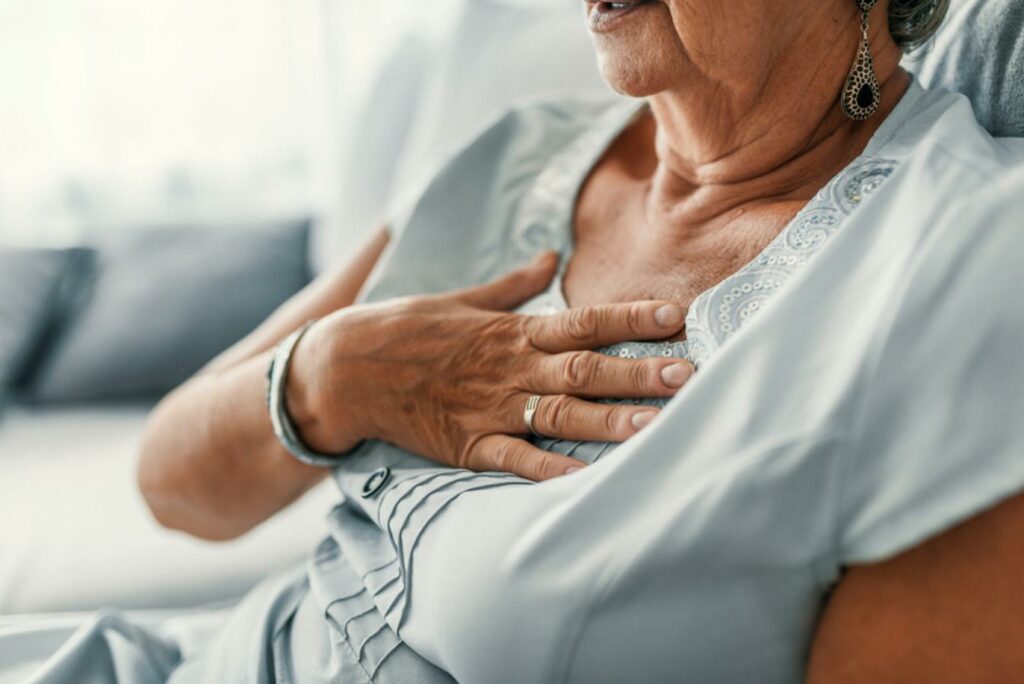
{"type": "Point", "coordinates": [210, 464]}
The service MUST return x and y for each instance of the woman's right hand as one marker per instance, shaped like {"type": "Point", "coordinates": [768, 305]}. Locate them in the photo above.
{"type": "Point", "coordinates": [448, 376]}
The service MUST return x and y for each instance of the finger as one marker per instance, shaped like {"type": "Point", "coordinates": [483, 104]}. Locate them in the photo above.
{"type": "Point", "coordinates": [514, 289]}
{"type": "Point", "coordinates": [592, 374]}
{"type": "Point", "coordinates": [566, 417]}
{"type": "Point", "coordinates": [595, 326]}
{"type": "Point", "coordinates": [517, 456]}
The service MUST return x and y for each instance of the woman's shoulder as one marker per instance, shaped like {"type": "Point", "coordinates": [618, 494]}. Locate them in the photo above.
{"type": "Point", "coordinates": [941, 158]}
{"type": "Point", "coordinates": [935, 435]}
{"type": "Point", "coordinates": [952, 167]}
{"type": "Point", "coordinates": [940, 437]}
{"type": "Point", "coordinates": [945, 121]}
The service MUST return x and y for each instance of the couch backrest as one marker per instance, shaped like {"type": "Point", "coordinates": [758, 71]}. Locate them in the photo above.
{"type": "Point", "coordinates": [979, 52]}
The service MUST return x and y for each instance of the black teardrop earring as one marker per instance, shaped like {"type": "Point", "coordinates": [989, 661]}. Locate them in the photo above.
{"type": "Point", "coordinates": [861, 94]}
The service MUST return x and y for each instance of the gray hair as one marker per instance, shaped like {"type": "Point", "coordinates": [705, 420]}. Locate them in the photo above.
{"type": "Point", "coordinates": [913, 22]}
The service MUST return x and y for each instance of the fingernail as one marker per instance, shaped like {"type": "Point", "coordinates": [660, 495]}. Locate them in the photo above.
{"type": "Point", "coordinates": [674, 375]}
{"type": "Point", "coordinates": [572, 469]}
{"type": "Point", "coordinates": [668, 316]}
{"type": "Point", "coordinates": [640, 420]}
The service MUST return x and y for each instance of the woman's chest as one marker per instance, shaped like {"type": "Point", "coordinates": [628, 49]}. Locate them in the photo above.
{"type": "Point", "coordinates": [625, 252]}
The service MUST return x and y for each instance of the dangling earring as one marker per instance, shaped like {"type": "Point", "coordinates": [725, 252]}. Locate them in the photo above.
{"type": "Point", "coordinates": [861, 94]}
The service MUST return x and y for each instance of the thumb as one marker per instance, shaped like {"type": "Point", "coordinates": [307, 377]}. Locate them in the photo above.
{"type": "Point", "coordinates": [515, 288]}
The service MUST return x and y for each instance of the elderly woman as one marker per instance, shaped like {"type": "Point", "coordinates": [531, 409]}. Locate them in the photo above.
{"type": "Point", "coordinates": [833, 494]}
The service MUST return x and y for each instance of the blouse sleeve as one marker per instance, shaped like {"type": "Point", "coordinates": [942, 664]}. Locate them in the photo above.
{"type": "Point", "coordinates": [940, 430]}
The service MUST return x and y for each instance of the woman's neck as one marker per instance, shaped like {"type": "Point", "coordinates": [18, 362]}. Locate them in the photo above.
{"type": "Point", "coordinates": [720, 154]}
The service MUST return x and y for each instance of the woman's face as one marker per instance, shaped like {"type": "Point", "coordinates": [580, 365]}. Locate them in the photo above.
{"type": "Point", "coordinates": [645, 47]}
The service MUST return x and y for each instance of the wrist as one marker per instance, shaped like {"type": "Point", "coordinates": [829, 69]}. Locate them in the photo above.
{"type": "Point", "coordinates": [300, 398]}
{"type": "Point", "coordinates": [319, 425]}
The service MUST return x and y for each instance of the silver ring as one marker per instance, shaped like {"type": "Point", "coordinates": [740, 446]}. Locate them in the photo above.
{"type": "Point", "coordinates": [531, 408]}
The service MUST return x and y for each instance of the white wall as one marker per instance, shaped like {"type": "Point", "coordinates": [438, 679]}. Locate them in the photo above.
{"type": "Point", "coordinates": [115, 112]}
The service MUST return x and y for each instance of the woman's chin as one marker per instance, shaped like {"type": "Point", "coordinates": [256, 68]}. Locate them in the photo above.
{"type": "Point", "coordinates": [637, 48]}
{"type": "Point", "coordinates": [627, 83]}
{"type": "Point", "coordinates": [639, 73]}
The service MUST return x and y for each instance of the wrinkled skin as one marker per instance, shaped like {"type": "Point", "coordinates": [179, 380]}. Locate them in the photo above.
{"type": "Point", "coordinates": [449, 376]}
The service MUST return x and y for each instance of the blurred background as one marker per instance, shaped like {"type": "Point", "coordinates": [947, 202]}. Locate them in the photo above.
{"type": "Point", "coordinates": [120, 114]}
{"type": "Point", "coordinates": [170, 172]}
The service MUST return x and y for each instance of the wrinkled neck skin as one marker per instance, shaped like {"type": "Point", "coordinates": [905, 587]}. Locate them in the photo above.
{"type": "Point", "coordinates": [766, 126]}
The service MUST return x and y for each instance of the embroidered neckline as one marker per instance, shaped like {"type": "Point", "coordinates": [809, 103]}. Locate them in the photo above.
{"type": "Point", "coordinates": [547, 215]}
{"type": "Point", "coordinates": [720, 311]}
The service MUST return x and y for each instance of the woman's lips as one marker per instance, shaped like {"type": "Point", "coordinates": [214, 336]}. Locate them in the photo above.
{"type": "Point", "coordinates": [605, 16]}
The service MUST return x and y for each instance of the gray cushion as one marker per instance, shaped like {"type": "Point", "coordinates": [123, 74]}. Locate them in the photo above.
{"type": "Point", "coordinates": [979, 52]}
{"type": "Point", "coordinates": [32, 292]}
{"type": "Point", "coordinates": [164, 302]}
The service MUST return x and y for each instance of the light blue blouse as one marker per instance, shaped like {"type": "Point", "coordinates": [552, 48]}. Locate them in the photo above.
{"type": "Point", "coordinates": [816, 434]}
{"type": "Point", "coordinates": [859, 390]}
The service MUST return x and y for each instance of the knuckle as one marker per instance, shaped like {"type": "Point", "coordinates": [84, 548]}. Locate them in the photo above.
{"type": "Point", "coordinates": [466, 453]}
{"type": "Point", "coordinates": [543, 467]}
{"type": "Point", "coordinates": [636, 318]}
{"type": "Point", "coordinates": [515, 459]}
{"type": "Point", "coordinates": [577, 370]}
{"type": "Point", "coordinates": [527, 330]}
{"type": "Point", "coordinates": [506, 328]}
{"type": "Point", "coordinates": [558, 414]}
{"type": "Point", "coordinates": [580, 324]}
{"type": "Point", "coordinates": [419, 303]}
{"type": "Point", "coordinates": [612, 420]}
{"type": "Point", "coordinates": [639, 376]}
{"type": "Point", "coordinates": [503, 456]}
